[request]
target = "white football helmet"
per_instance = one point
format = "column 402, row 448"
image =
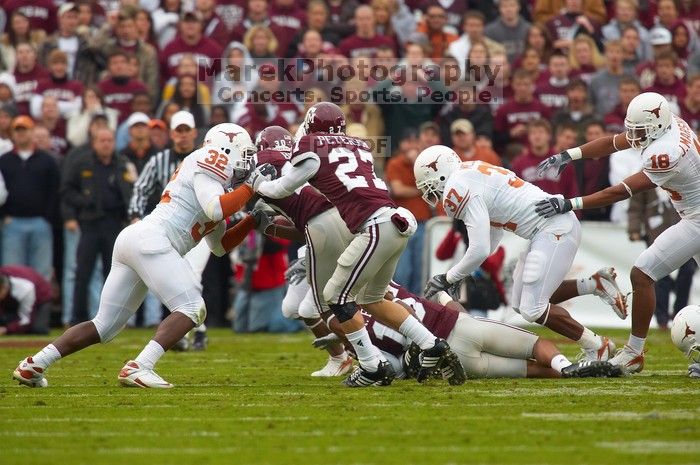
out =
column 648, row 118
column 233, row 140
column 432, row 168
column 685, row 332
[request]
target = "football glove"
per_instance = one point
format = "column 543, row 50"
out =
column 296, row 272
column 439, row 283
column 558, row 161
column 263, row 219
column 553, row 206
column 264, row 172
column 694, row 370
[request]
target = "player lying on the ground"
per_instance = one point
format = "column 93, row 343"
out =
column 341, row 168
column 488, row 199
column 670, row 154
column 684, row 332
column 149, row 255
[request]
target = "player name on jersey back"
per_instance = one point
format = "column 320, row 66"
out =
column 510, row 200
column 345, row 176
column 672, row 162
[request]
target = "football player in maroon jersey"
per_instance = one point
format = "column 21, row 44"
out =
column 341, row 168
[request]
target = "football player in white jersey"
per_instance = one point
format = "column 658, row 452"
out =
column 489, row 199
column 670, row 154
column 149, row 255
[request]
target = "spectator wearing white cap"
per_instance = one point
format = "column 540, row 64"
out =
column 160, row 167
column 661, row 40
column 7, row 88
column 140, row 149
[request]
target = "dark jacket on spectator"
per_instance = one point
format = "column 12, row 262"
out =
column 88, row 63
column 649, row 216
column 80, row 194
column 32, row 185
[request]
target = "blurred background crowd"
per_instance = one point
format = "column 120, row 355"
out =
column 101, row 99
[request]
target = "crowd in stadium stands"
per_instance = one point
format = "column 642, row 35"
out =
column 92, row 90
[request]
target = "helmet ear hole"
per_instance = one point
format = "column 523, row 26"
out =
column 227, row 151
column 442, row 178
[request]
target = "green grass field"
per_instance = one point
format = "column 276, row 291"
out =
column 249, row 400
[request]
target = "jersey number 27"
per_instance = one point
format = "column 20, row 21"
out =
column 347, row 173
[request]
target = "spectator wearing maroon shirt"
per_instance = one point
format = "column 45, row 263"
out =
column 584, row 58
column 50, row 118
column 190, row 39
column 41, row 13
column 681, row 42
column 662, row 42
column 213, row 25
column 17, row 31
column 572, row 21
column 260, row 42
column 551, row 89
column 365, row 41
column 628, row 89
column 118, row 88
column 593, row 175
column 27, row 75
column 126, row 39
column 539, row 134
column 67, row 92
column 510, row 122
column 231, row 12
column 25, row 298
column 666, row 82
column 289, row 20
column 690, row 105
column 578, row 111
column 256, row 15
column 316, row 20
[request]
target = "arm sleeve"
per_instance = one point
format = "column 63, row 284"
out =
column 296, row 177
column 476, row 217
column 143, row 188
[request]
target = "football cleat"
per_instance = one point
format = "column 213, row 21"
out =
column 591, row 369
column 431, row 360
column 410, row 361
column 132, row 375
column 452, row 370
column 360, row 377
column 200, row 341
column 607, row 289
column 334, row 367
column 629, row 360
column 606, row 351
column 694, row 370
column 30, row 374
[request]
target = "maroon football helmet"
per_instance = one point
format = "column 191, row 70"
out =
column 324, row 117
column 274, row 138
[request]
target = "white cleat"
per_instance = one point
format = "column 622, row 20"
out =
column 30, row 374
column 629, row 360
column 605, row 353
column 607, row 289
column 132, row 375
column 334, row 368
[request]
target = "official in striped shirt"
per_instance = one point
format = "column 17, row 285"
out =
column 157, row 171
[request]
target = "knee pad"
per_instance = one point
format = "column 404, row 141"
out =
column 290, row 309
column 344, row 312
column 307, row 308
column 195, row 311
column 533, row 267
column 532, row 314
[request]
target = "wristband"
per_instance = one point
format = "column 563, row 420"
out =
column 444, row 298
column 576, row 203
column 627, row 188
column 575, row 153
